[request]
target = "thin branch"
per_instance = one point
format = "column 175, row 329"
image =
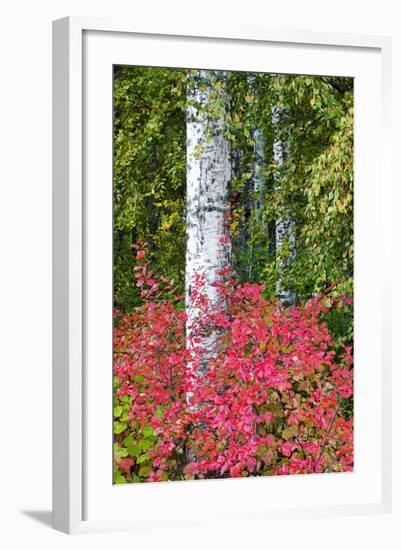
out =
column 327, row 435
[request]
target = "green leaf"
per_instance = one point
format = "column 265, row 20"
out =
column 128, row 440
column 119, row 479
column 142, row 458
column 119, row 427
column 118, row 410
column 145, row 443
column 134, row 450
column 144, row 471
column 147, row 431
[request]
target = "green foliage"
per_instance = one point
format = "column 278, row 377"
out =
column 316, row 183
column 313, row 187
column 149, row 173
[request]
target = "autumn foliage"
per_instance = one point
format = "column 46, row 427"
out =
column 274, row 398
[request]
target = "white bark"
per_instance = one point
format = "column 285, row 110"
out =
column 285, row 228
column 258, row 185
column 258, row 139
column 259, row 161
column 208, row 174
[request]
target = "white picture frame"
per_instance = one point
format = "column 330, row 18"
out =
column 71, row 247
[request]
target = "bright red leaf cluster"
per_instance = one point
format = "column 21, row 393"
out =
column 272, row 399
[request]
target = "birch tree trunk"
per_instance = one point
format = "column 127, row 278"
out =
column 258, row 186
column 259, row 162
column 208, row 174
column 257, row 177
column 285, row 228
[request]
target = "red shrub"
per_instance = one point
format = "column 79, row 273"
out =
column 271, row 401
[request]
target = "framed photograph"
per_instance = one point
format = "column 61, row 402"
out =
column 220, row 323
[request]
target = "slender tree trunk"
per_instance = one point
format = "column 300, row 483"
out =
column 285, row 227
column 258, row 186
column 259, row 163
column 208, row 173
